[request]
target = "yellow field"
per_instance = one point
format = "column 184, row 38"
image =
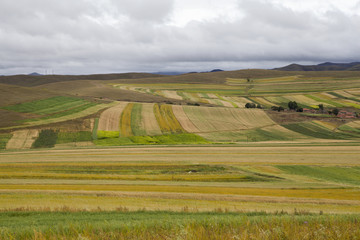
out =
column 125, row 121
column 175, row 178
column 166, row 119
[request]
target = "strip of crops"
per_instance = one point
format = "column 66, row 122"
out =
column 272, row 133
column 183, row 138
column 137, row 125
column 125, row 121
column 45, row 106
column 61, row 106
column 156, row 225
column 67, row 137
column 327, row 102
column 347, row 175
column 67, row 112
column 314, row 130
column 335, row 194
column 94, row 130
column 4, row 138
column 167, row 120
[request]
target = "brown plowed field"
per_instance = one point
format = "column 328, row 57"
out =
column 110, row 118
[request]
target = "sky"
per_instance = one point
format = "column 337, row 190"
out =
column 114, row 36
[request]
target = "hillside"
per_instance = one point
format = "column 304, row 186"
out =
column 36, row 80
column 194, row 108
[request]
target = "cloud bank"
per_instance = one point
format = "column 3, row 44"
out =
column 100, row 36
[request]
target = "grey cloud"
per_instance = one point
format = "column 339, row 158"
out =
column 154, row 10
column 87, row 36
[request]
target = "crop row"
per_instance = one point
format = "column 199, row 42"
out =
column 155, row 225
column 48, row 138
column 48, row 106
column 313, row 129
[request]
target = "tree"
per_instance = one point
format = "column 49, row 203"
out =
column 250, row 105
column 321, row 107
column 292, row 105
column 258, row 106
column 335, row 111
column 300, row 110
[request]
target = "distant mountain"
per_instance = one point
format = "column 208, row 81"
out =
column 35, row 74
column 327, row 66
column 169, row 73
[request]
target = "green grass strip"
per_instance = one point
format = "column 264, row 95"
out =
column 94, row 131
column 176, row 225
column 4, row 138
column 184, row 138
column 67, row 137
column 136, row 120
column 41, row 105
column 349, row 175
column 321, row 100
column 313, row 130
column 107, row 134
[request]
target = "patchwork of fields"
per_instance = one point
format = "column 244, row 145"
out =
column 267, row 92
column 126, row 123
column 192, row 164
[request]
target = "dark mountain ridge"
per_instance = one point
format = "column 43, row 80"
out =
column 327, row 66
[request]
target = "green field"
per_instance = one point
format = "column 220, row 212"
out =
column 169, row 225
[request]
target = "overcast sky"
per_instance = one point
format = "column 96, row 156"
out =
column 103, row 36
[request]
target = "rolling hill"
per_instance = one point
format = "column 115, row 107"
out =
column 182, row 109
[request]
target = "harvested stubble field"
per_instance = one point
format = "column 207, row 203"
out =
column 170, row 178
column 182, row 192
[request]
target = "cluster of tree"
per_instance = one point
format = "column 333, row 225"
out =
column 292, row 105
column 252, row 105
column 335, row 111
column 277, row 108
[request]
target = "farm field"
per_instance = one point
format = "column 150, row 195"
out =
column 180, row 157
column 157, row 225
column 198, row 178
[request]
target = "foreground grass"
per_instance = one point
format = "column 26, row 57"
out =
column 171, row 225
